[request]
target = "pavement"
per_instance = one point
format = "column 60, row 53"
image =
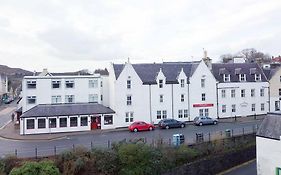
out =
column 11, row 130
column 247, row 168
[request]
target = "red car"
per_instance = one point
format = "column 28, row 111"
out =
column 141, row 126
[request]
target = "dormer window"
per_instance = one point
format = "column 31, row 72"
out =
column 258, row 77
column 242, row 77
column 182, row 83
column 160, row 83
column 129, row 84
column 226, row 77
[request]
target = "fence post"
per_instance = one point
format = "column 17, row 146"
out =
column 36, row 153
column 16, row 152
column 73, row 147
column 91, row 145
column 221, row 133
column 209, row 136
column 232, row 133
column 55, row 150
column 170, row 141
column 145, row 140
column 108, row 144
column 243, row 131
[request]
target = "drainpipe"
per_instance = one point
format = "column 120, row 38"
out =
column 172, row 101
column 217, row 100
column 150, row 112
column 188, row 101
column 269, row 98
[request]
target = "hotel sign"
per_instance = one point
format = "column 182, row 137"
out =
column 203, row 105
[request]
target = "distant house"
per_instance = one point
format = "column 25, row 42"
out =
column 242, row 89
column 3, row 87
column 268, row 141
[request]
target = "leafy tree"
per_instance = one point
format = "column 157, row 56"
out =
column 36, row 168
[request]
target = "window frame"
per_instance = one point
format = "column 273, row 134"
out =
column 73, row 123
column 30, row 125
column 39, row 125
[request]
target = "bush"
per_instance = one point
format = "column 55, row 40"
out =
column 8, row 163
column 36, row 168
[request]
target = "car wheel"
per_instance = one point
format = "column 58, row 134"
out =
column 167, row 127
column 135, row 130
column 182, row 125
column 200, row 124
column 215, row 122
column 150, row 128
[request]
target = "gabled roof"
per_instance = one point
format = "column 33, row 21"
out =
column 269, row 73
column 234, row 69
column 49, row 110
column 148, row 72
column 271, row 126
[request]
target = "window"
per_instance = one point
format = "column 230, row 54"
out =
column 93, row 98
column 101, row 84
column 31, row 99
column 203, row 96
column 242, row 77
column 41, row 123
column 129, row 100
column 129, row 117
column 160, row 83
column 180, row 114
column 69, row 83
column 233, row 108
column 226, row 77
column 185, row 113
column 93, row 83
column 252, row 92
column 253, row 107
column 201, row 112
column 280, row 78
column 158, row 114
column 279, row 92
column 56, row 84
column 243, row 93
column 277, row 105
column 63, row 122
column 30, row 124
column 161, row 98
column 258, row 77
column 84, row 121
column 108, row 119
column 128, row 84
column 206, row 112
column 182, row 97
column 31, row 84
column 182, row 83
column 202, row 83
column 262, row 92
column 56, row 99
column 222, row 93
column 69, row 99
column 52, row 122
column 232, row 93
column 164, row 114
column 262, row 106
column 101, row 97
column 73, row 121
column 223, row 108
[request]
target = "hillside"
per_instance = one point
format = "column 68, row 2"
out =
column 16, row 72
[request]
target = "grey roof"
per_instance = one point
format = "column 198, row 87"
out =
column 101, row 71
column 66, row 73
column 270, row 72
column 47, row 110
column 271, row 126
column 218, row 69
column 148, row 72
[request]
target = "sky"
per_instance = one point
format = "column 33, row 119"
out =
column 70, row 35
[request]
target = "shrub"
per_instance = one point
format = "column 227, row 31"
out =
column 36, row 168
column 8, row 163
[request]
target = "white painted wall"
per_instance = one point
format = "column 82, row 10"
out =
column 196, row 91
column 44, row 90
column 275, row 85
column 243, row 104
column 268, row 155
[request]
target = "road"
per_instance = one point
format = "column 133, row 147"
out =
column 102, row 139
column 6, row 111
column 247, row 169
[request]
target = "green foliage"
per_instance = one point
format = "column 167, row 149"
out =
column 2, row 167
column 36, row 168
column 8, row 163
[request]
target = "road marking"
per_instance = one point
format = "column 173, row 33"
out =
column 5, row 124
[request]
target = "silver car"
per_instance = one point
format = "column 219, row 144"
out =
column 203, row 120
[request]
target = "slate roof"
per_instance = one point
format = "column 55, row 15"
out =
column 48, row 110
column 66, row 73
column 234, row 68
column 271, row 126
column 270, row 72
column 148, row 72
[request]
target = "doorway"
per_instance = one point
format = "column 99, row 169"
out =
column 95, row 122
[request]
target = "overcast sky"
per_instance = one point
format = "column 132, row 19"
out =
column 68, row 35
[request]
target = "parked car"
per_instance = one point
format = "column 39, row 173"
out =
column 141, row 126
column 202, row 120
column 170, row 123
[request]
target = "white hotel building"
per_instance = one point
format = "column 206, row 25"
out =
column 242, row 89
column 64, row 102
